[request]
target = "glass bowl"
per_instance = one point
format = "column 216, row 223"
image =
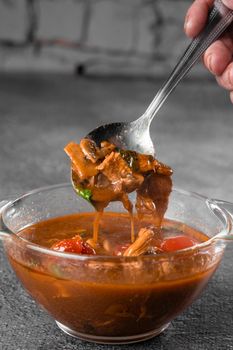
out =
column 113, row 299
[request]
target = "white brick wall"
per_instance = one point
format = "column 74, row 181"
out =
column 127, row 36
column 60, row 18
column 12, row 20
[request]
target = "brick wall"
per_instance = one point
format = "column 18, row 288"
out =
column 99, row 36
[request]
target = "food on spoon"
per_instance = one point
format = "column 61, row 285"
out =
column 104, row 174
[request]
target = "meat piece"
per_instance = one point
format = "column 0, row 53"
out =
column 90, row 150
column 142, row 243
column 82, row 166
column 114, row 167
column 164, row 169
column 131, row 158
column 140, row 163
column 119, row 173
column 159, row 188
column 146, row 163
column 155, row 189
column 106, row 148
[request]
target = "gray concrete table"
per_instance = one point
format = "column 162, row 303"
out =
column 194, row 134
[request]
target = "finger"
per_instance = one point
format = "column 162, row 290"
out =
column 228, row 3
column 227, row 38
column 226, row 79
column 217, row 57
column 197, row 16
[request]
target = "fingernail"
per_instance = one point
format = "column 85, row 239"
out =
column 231, row 96
column 210, row 63
column 231, row 77
column 187, row 23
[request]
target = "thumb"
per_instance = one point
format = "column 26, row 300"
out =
column 228, row 3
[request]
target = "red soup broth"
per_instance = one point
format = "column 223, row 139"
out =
column 111, row 296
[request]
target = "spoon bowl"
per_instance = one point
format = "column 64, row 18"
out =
column 132, row 135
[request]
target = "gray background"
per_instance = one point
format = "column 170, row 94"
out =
column 42, row 111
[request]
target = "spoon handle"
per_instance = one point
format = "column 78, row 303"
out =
column 220, row 18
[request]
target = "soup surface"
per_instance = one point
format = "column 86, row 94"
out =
column 121, row 297
column 115, row 234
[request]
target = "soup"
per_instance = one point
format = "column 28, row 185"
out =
column 119, row 297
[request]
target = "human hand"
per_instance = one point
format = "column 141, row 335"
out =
column 218, row 58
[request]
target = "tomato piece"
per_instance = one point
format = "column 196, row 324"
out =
column 176, row 243
column 69, row 246
column 73, row 245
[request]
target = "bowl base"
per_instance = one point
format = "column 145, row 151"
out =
column 112, row 340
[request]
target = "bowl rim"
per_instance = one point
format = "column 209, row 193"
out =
column 36, row 247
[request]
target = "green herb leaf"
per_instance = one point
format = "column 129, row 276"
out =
column 84, row 193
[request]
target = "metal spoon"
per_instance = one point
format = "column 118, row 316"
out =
column 136, row 135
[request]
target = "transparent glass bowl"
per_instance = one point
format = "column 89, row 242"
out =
column 113, row 299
